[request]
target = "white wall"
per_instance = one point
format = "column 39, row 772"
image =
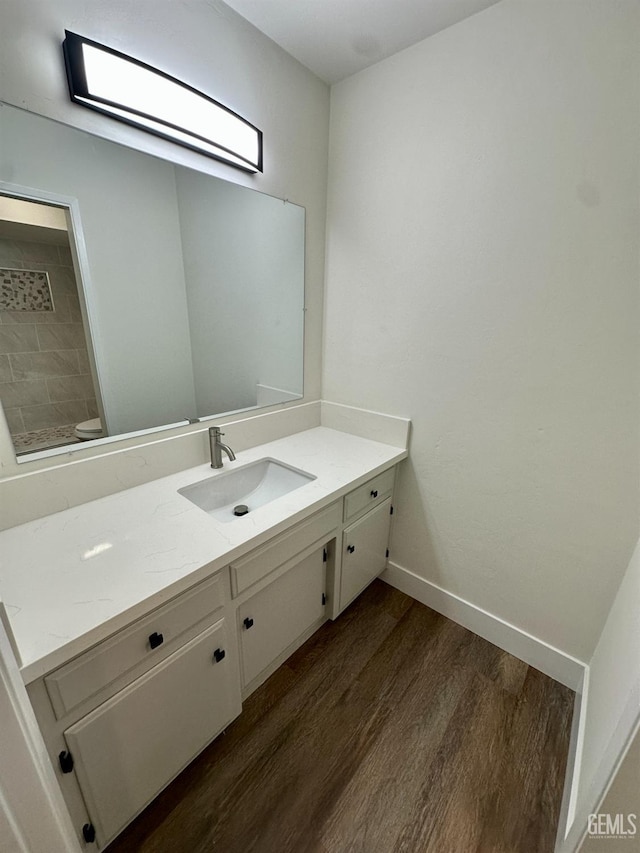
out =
column 482, row 279
column 613, row 701
column 215, row 50
column 245, row 293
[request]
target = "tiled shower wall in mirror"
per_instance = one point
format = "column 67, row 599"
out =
column 46, row 386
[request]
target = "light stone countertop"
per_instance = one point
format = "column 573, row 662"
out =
column 72, row 579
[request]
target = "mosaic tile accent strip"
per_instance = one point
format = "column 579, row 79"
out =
column 42, row 439
column 25, row 290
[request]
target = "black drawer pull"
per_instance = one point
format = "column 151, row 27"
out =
column 374, row 493
column 155, row 640
column 219, row 655
column 89, row 833
column 351, row 548
column 248, row 623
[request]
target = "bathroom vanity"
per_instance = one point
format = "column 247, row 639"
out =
column 142, row 621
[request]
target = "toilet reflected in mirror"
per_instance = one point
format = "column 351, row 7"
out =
column 89, row 430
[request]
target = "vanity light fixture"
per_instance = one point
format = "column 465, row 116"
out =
column 128, row 90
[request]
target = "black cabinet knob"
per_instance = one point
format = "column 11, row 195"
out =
column 66, row 761
column 351, row 548
column 89, row 833
column 374, row 493
column 219, row 655
column 155, row 640
column 248, row 623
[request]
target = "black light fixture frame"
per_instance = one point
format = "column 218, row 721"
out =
column 78, row 89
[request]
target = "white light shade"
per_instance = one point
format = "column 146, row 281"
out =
column 112, row 83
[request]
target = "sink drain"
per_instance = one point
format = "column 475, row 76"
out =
column 241, row 509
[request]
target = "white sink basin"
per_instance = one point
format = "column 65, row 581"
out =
column 253, row 485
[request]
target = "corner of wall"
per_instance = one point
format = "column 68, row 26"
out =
column 610, row 711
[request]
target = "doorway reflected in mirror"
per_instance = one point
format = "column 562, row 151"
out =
column 46, row 387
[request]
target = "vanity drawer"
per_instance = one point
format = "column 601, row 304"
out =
column 140, row 646
column 261, row 562
column 367, row 496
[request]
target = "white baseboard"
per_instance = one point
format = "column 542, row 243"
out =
column 537, row 653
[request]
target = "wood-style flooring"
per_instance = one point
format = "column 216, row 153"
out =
column 392, row 730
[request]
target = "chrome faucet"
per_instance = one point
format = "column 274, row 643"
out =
column 217, row 446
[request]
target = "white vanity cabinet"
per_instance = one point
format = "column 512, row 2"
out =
column 122, row 720
column 281, row 593
column 273, row 619
column 286, row 589
column 364, row 551
column 365, row 538
column 106, row 668
column 127, row 749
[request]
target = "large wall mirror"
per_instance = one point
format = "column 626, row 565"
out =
column 136, row 294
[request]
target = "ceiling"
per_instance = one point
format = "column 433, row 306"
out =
column 33, row 233
column 337, row 38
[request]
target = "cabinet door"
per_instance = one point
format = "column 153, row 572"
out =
column 276, row 616
column 364, row 551
column 130, row 747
